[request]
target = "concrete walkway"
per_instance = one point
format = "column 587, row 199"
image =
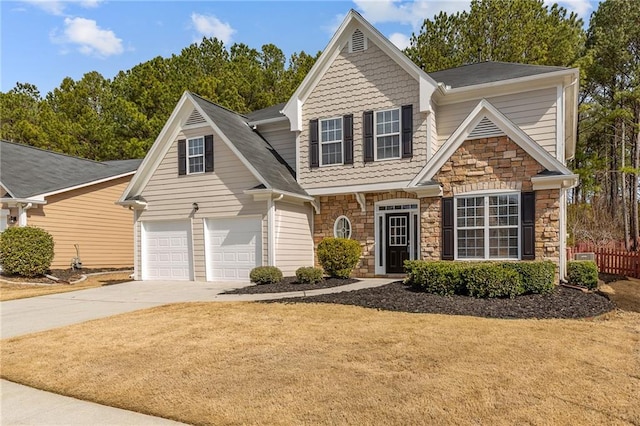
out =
column 22, row 405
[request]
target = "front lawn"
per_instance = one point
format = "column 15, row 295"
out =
column 255, row 363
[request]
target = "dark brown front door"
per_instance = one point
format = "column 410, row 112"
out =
column 397, row 242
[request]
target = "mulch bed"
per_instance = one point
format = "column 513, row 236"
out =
column 64, row 276
column 562, row 303
column 289, row 284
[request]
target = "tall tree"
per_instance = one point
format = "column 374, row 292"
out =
column 524, row 31
column 612, row 65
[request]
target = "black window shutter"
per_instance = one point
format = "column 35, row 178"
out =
column 208, row 153
column 367, row 120
column 448, row 233
column 182, row 157
column 314, row 155
column 407, row 131
column 347, row 123
column 528, row 225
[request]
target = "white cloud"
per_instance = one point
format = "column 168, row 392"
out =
column 582, row 8
column 400, row 40
column 333, row 26
column 57, row 7
column 407, row 12
column 210, row 26
column 89, row 38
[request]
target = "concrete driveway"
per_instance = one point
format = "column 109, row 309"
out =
column 56, row 310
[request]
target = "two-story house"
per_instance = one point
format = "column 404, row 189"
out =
column 462, row 164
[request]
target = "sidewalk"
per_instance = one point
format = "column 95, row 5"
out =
column 22, row 405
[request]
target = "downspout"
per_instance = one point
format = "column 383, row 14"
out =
column 563, row 234
column 271, row 229
column 22, row 213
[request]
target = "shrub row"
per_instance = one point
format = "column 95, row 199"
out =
column 583, row 273
column 481, row 279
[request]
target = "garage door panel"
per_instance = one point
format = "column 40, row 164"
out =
column 168, row 250
column 234, row 247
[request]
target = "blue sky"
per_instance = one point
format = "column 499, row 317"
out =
column 44, row 41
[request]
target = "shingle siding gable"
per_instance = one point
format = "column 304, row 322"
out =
column 354, row 83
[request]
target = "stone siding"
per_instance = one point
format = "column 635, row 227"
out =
column 481, row 164
column 362, row 224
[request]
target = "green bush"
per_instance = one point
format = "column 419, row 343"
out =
column 437, row 277
column 492, row 280
column 265, row 275
column 481, row 279
column 26, row 251
column 537, row 277
column 338, row 256
column 583, row 273
column 309, row 275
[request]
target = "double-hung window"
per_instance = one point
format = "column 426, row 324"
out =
column 487, row 226
column 331, row 141
column 387, row 134
column 195, row 155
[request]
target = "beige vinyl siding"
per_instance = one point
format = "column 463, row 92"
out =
column 294, row 240
column 218, row 194
column 534, row 112
column 354, row 83
column 90, row 218
column 282, row 139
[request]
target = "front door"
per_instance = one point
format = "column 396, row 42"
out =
column 397, row 242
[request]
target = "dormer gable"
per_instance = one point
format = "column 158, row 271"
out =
column 355, row 35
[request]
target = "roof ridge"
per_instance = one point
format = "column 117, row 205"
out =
column 218, row 105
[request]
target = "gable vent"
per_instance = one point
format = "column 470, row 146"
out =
column 358, row 42
column 485, row 129
column 194, row 118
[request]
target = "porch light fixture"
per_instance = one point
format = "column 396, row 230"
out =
column 13, row 219
column 195, row 207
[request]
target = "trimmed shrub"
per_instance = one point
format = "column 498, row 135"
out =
column 481, row 279
column 537, row 277
column 583, row 273
column 26, row 251
column 309, row 275
column 265, row 275
column 437, row 277
column 492, row 280
column 338, row 256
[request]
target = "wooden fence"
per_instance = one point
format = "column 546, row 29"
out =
column 610, row 260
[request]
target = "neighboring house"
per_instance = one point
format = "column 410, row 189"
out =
column 465, row 163
column 71, row 198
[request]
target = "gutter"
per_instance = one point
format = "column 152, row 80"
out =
column 266, row 193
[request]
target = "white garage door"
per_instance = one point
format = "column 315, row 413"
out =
column 234, row 247
column 167, row 251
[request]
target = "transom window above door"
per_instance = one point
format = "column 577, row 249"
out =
column 331, row 141
column 195, row 155
column 387, row 134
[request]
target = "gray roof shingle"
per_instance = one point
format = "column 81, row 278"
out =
column 488, row 72
column 266, row 113
column 252, row 146
column 26, row 171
